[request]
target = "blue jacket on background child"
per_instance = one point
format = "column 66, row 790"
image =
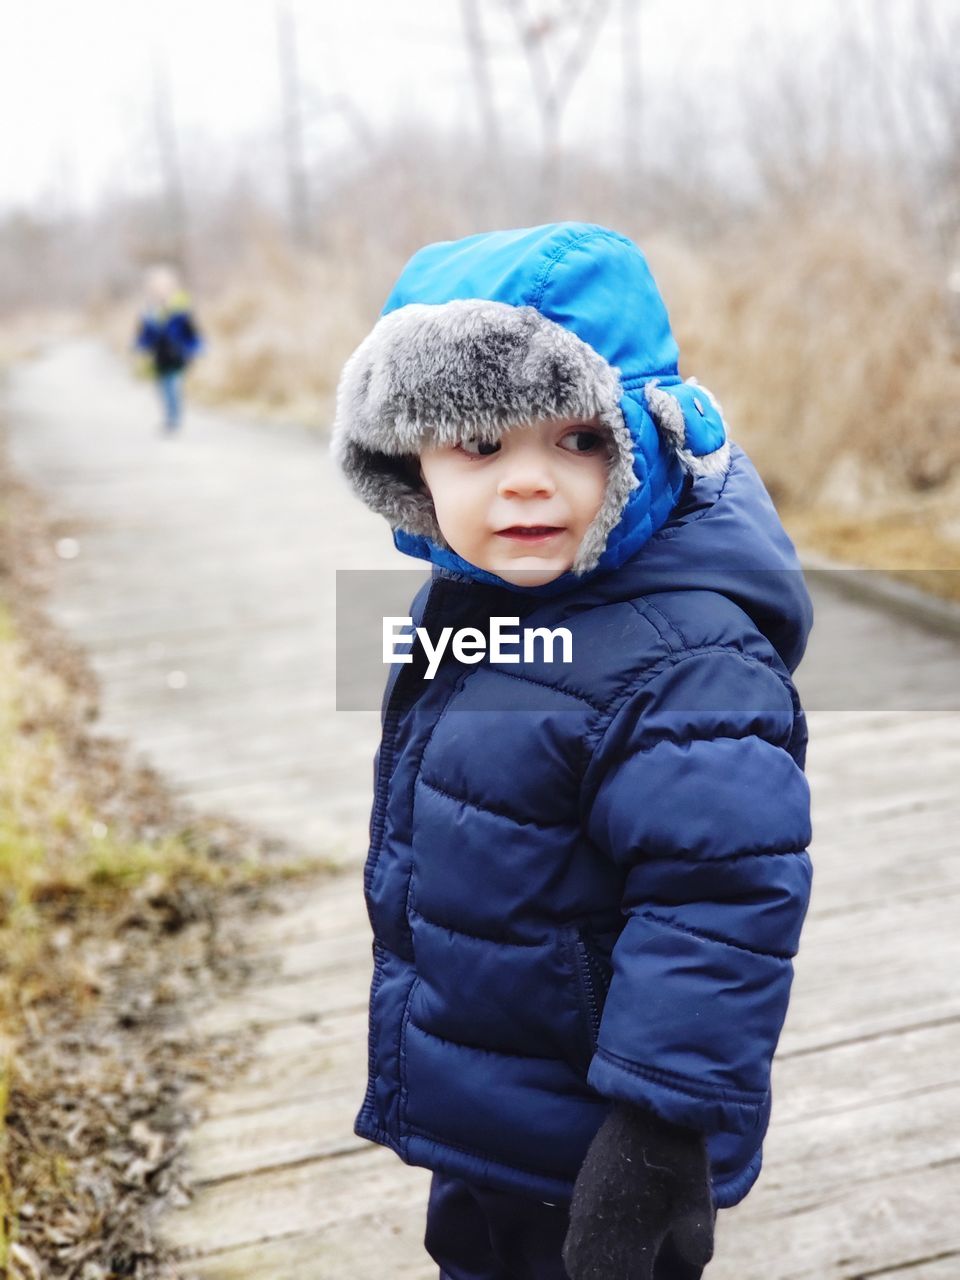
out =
column 587, row 879
column 169, row 336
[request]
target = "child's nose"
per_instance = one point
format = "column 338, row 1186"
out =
column 526, row 476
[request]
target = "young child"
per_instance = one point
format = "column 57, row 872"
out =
column 587, row 877
column 169, row 340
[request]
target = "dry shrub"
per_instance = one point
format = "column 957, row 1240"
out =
column 281, row 330
column 830, row 342
column 825, row 330
column 820, row 316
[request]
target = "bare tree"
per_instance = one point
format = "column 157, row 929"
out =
column 632, row 87
column 342, row 105
column 884, row 103
column 574, row 24
column 934, row 120
column 168, row 157
column 480, row 72
column 298, row 193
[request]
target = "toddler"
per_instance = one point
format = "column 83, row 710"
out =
column 588, row 866
column 168, row 340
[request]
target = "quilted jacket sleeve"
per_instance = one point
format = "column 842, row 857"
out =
column 696, row 789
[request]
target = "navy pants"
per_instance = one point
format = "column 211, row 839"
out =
column 477, row 1233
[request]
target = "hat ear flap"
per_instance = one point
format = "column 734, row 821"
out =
column 691, row 423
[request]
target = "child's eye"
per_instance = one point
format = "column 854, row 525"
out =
column 581, row 441
column 478, row 448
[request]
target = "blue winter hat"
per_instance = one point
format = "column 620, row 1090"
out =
column 507, row 327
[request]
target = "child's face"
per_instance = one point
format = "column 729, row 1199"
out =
column 548, row 473
column 161, row 284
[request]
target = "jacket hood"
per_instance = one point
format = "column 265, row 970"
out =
column 506, row 327
column 725, row 536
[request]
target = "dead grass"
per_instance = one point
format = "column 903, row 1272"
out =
column 116, row 907
column 826, row 328
column 833, row 343
column 828, row 333
column 279, row 332
column 906, row 545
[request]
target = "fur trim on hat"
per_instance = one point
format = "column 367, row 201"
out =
column 471, row 368
column 667, row 413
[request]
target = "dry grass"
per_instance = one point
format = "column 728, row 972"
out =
column 829, row 336
column 279, row 331
column 825, row 327
column 908, row 545
column 834, row 345
column 116, row 906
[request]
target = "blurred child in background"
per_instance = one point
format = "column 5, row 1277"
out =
column 169, row 340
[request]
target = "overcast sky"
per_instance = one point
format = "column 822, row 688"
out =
column 76, row 76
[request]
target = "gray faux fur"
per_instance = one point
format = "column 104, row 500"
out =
column 436, row 374
column 666, row 412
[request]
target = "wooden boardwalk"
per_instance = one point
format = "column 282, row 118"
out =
column 203, row 592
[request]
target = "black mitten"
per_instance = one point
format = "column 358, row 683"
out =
column 641, row 1180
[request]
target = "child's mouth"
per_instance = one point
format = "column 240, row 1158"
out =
column 530, row 533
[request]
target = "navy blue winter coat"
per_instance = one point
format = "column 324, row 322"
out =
column 170, row 337
column 586, row 880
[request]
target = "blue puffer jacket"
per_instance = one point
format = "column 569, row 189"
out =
column 170, row 336
column 586, row 880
